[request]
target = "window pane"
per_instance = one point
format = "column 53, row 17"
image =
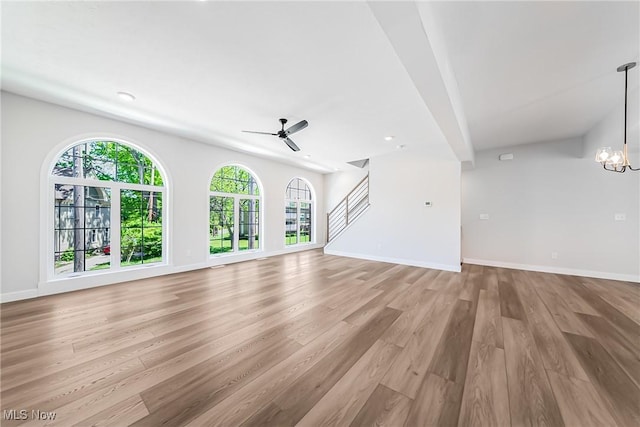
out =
column 81, row 228
column 152, row 175
column 305, row 222
column 291, row 223
column 221, row 221
column 129, row 172
column 105, row 151
column 234, row 180
column 140, row 227
column 298, row 190
column 127, row 155
column 64, row 165
column 99, row 169
column 248, row 224
column 108, row 161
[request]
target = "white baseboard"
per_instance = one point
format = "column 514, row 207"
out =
column 248, row 256
column 297, row 248
column 94, row 281
column 555, row 270
column 19, row 295
column 414, row 263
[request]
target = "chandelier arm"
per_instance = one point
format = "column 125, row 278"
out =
column 614, row 170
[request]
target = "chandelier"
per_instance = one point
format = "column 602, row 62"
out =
column 618, row 161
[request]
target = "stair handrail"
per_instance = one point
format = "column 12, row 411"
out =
column 343, row 205
column 344, row 199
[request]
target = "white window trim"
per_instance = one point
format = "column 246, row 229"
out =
column 236, row 223
column 260, row 197
column 313, row 223
column 47, row 266
column 312, row 204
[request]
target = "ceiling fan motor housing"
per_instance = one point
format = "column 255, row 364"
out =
column 281, row 133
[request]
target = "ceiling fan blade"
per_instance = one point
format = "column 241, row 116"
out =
column 291, row 144
column 261, row 133
column 297, row 127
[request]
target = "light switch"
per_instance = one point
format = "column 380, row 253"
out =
column 484, row 216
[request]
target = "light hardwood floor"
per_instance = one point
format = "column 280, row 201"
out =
column 312, row 339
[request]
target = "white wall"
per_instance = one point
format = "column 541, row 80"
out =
column 33, row 132
column 398, row 227
column 552, row 198
column 337, row 185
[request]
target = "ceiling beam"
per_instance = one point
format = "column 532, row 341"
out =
column 415, row 37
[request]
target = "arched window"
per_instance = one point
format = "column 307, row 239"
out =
column 234, row 211
column 108, row 203
column 298, row 213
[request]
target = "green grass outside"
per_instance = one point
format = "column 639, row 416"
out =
column 291, row 239
column 138, row 262
column 106, row 265
column 217, row 246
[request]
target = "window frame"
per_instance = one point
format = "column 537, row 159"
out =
column 298, row 202
column 236, row 213
column 115, row 188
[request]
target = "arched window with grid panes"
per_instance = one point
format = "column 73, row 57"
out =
column 234, row 211
column 108, row 200
column 298, row 213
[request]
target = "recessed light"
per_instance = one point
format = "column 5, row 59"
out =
column 388, row 138
column 336, row 169
column 307, row 156
column 126, row 96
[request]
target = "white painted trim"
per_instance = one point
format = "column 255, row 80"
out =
column 19, row 295
column 555, row 270
column 312, row 203
column 47, row 202
column 236, row 209
column 89, row 282
column 301, row 247
column 248, row 256
column 414, row 263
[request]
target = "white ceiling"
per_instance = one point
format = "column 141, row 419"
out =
column 206, row 70
column 538, row 71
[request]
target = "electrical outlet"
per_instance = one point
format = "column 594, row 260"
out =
column 620, row 217
column 484, row 216
column 554, row 255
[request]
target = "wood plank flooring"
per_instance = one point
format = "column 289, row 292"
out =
column 311, row 339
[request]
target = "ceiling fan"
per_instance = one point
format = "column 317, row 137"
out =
column 284, row 134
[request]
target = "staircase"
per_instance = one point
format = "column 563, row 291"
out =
column 348, row 210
